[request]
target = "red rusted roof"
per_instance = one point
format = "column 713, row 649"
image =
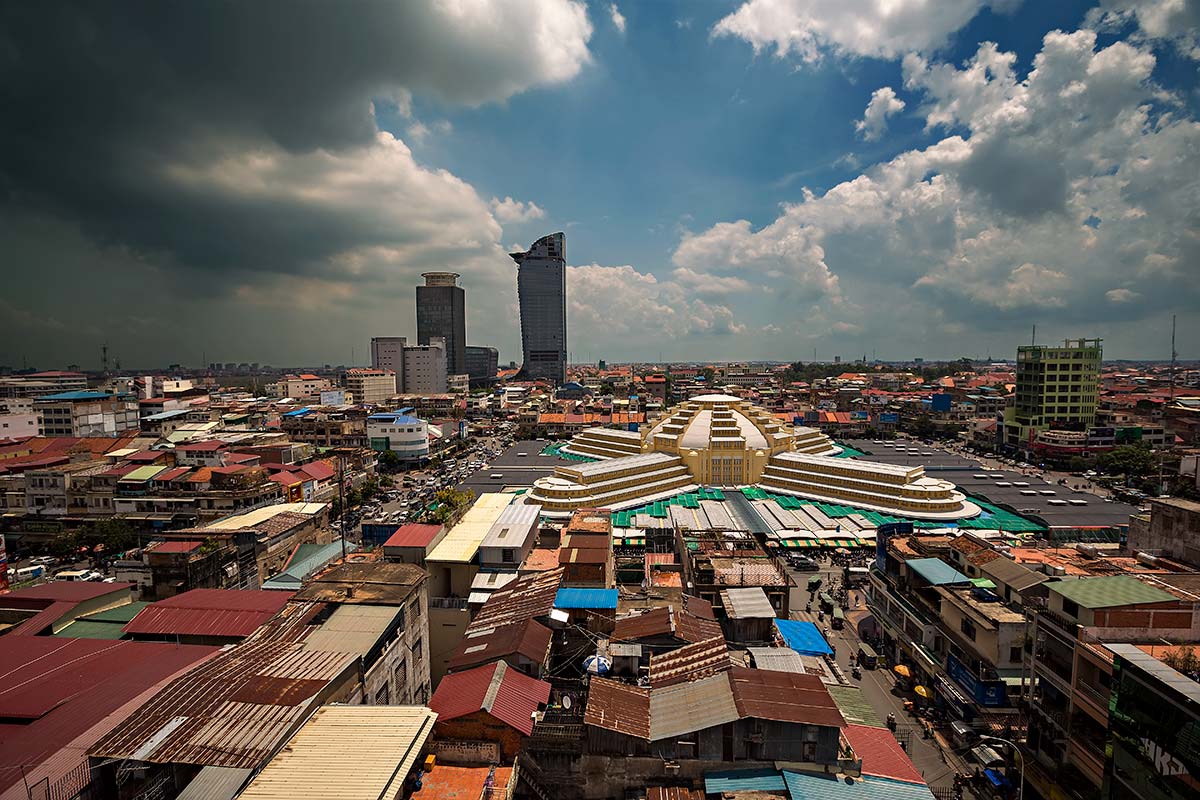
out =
column 174, row 546
column 413, row 534
column 209, row 612
column 496, row 689
column 784, row 697
column 484, row 643
column 61, row 688
column 690, row 663
column 528, row 597
column 618, row 707
column 881, row 754
column 318, row 470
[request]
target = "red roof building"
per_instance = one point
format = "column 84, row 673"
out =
column 61, row 695
column 413, row 534
column 54, row 605
column 525, row 646
column 492, row 702
column 882, row 756
column 207, row 616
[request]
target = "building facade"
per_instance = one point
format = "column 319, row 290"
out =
column 441, row 313
column 542, row 294
column 482, row 365
column 425, row 367
column 407, row 437
column 1056, row 388
column 86, row 413
column 371, row 386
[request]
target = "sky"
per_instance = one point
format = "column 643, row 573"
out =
column 750, row 179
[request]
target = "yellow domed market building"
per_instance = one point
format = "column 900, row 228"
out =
column 721, row 440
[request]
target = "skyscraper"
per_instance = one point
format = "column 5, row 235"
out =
column 441, row 311
column 542, row 293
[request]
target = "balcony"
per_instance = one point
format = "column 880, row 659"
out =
column 454, row 603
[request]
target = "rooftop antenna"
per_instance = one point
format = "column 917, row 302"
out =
column 1033, row 338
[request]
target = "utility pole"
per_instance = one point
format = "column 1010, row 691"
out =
column 1174, row 355
column 342, row 499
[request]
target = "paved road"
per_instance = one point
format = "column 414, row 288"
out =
column 936, row 761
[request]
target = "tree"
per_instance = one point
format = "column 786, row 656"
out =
column 1133, row 460
column 115, row 534
column 389, row 461
column 449, row 502
column 1077, row 464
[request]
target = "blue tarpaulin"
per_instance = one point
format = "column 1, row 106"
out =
column 569, row 598
column 803, row 637
column 743, row 780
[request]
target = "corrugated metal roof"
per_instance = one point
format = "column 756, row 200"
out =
column 692, row 706
column 1110, row 591
column 513, row 525
column 689, row 663
column 414, row 534
column 327, row 758
column 307, row 559
column 855, row 707
column 501, row 691
column 573, row 597
column 528, row 597
column 778, row 659
column 143, row 473
column 215, row 783
column 461, row 542
column 784, row 696
column 618, row 707
column 882, row 756
column 209, row 612
column 748, row 603
column 743, row 780
column 352, row 629
column 809, row 786
column 936, row 571
column 254, row 518
column 237, row 707
column 483, row 643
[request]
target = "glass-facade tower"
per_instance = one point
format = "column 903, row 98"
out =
column 442, row 312
column 542, row 294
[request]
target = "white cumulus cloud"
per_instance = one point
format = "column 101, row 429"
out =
column 883, row 104
column 618, row 19
column 510, row 211
column 807, row 29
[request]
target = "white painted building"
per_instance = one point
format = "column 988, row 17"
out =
column 407, row 437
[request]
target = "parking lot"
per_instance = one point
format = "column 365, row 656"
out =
column 520, row 465
column 1027, row 491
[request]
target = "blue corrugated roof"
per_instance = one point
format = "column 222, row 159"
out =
column 803, row 637
column 84, row 394
column 743, row 780
column 585, row 598
column 307, row 559
column 803, row 786
column 299, row 412
column 936, row 571
column 395, row 418
column 175, row 412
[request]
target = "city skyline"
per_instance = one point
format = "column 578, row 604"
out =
column 932, row 186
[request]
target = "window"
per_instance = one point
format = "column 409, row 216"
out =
column 968, row 628
column 381, row 697
column 1070, row 607
column 1014, row 654
column 506, row 555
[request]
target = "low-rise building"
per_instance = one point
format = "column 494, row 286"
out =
column 86, row 413
column 402, row 434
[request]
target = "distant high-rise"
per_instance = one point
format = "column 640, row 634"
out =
column 542, row 294
column 482, row 365
column 442, row 312
column 418, row 369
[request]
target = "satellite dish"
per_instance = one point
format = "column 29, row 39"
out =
column 566, row 702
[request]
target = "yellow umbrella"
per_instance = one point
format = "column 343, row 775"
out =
column 902, row 670
column 923, row 692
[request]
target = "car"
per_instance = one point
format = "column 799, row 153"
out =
column 43, row 561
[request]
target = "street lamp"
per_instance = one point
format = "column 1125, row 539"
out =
column 1017, row 754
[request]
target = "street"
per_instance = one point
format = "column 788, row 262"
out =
column 933, row 757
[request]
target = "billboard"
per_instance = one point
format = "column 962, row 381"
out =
column 983, row 692
column 336, row 397
column 941, row 402
column 889, row 418
column 1126, row 435
column 858, row 416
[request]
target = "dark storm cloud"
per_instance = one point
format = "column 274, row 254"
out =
column 104, row 103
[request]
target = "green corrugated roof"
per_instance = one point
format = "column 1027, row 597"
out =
column 82, row 629
column 1109, row 591
column 854, row 706
column 121, row 614
column 143, row 473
